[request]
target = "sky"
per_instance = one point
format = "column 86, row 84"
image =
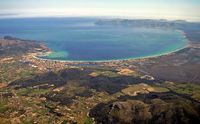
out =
column 154, row 9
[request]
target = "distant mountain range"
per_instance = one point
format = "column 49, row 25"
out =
column 143, row 23
column 190, row 29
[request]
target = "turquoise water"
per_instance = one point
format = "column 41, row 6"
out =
column 79, row 39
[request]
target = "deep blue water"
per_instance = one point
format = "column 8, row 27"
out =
column 80, row 39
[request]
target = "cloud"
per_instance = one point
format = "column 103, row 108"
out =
column 112, row 12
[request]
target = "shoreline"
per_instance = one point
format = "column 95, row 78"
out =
column 188, row 44
column 117, row 60
column 39, row 55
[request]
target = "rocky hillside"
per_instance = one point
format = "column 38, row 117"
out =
column 164, row 108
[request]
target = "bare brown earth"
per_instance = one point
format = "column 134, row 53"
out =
column 182, row 66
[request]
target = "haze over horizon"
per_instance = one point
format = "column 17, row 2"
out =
column 152, row 9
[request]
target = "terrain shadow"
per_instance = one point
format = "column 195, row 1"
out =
column 69, row 83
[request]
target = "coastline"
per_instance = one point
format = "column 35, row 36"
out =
column 188, row 44
column 38, row 55
column 117, row 60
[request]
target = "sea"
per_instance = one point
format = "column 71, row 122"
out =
column 81, row 39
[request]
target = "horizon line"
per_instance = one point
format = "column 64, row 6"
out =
column 20, row 16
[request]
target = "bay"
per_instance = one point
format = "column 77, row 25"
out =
column 79, row 39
